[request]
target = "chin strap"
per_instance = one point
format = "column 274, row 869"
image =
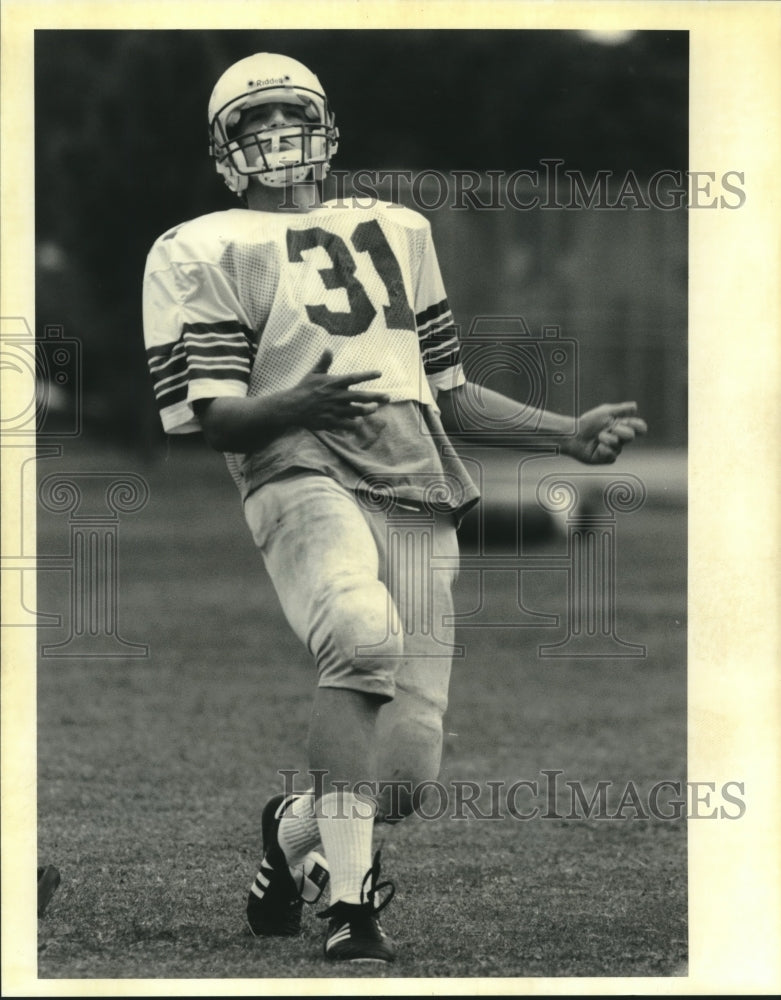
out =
column 285, row 176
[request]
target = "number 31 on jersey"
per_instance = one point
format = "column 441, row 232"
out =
column 367, row 237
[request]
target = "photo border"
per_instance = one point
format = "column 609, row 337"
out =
column 734, row 438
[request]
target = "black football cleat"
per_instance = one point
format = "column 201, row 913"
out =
column 354, row 933
column 48, row 880
column 278, row 893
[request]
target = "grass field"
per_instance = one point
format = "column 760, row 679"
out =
column 152, row 771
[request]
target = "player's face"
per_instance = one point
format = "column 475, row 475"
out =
column 272, row 138
column 263, row 117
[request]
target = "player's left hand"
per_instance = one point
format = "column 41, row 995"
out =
column 603, row 432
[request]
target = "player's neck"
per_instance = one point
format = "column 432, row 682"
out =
column 295, row 198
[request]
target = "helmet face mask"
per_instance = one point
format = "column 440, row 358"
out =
column 299, row 150
column 280, row 155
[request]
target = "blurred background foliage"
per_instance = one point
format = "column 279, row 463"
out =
column 121, row 155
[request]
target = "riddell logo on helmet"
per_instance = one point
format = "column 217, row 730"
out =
column 269, row 82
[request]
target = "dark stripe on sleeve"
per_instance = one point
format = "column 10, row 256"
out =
column 432, row 312
column 216, row 351
column 162, row 352
column 226, row 326
column 437, row 336
column 440, row 349
column 449, row 360
column 170, row 395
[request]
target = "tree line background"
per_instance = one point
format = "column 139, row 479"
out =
column 121, row 154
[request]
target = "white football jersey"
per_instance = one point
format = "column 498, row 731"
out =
column 242, row 302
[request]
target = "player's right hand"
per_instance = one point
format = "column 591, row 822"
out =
column 603, row 432
column 327, row 402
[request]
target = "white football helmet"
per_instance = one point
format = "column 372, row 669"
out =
column 308, row 146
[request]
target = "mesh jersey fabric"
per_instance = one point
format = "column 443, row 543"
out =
column 242, row 302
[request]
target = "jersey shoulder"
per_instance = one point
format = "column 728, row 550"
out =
column 403, row 216
column 388, row 211
column 201, row 239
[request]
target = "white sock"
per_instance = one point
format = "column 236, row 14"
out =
column 346, row 823
column 298, row 830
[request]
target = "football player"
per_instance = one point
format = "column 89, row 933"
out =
column 312, row 343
